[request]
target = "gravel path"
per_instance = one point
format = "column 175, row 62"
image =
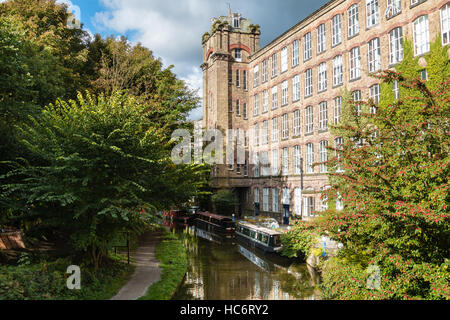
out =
column 147, row 268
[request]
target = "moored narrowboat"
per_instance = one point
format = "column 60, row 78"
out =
column 216, row 223
column 263, row 238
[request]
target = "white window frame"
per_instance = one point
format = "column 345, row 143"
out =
column 275, row 200
column 285, row 126
column 421, row 35
column 265, row 132
column 238, row 108
column 284, row 59
column 265, row 101
column 309, row 158
column 355, row 63
column 338, row 145
column 298, row 201
column 353, row 20
column 323, row 116
column 256, row 105
column 309, row 120
column 256, row 195
column 393, row 8
column 296, row 124
column 322, row 77
column 285, row 162
column 284, row 93
column 266, row 199
column 275, row 129
column 274, row 163
column 337, row 110
column 372, row 13
column 336, row 27
column 338, row 71
column 264, row 75
column 256, row 76
column 297, row 161
column 374, row 55
column 295, row 53
column 308, row 83
column 256, row 165
column 374, row 94
column 274, row 98
column 396, row 45
column 256, row 134
column 323, row 152
column 296, row 88
column 307, row 46
column 274, row 66
column 445, row 24
column 321, row 38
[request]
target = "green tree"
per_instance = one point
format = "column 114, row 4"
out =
column 105, row 168
column 224, row 202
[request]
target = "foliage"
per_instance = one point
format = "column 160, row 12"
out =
column 224, row 202
column 395, row 189
column 299, row 241
column 47, row 281
column 173, row 261
column 105, row 169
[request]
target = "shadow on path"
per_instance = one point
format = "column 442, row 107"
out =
column 147, row 268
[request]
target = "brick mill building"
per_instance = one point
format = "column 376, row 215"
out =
column 290, row 91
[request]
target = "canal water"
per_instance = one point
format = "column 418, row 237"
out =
column 222, row 268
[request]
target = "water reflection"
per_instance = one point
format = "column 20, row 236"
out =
column 224, row 269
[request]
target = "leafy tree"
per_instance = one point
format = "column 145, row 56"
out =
column 106, row 168
column 224, row 202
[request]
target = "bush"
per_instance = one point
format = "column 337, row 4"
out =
column 299, row 241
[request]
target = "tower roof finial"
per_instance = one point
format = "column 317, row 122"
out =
column 229, row 9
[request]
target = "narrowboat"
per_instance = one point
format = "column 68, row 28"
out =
column 213, row 222
column 177, row 215
column 263, row 238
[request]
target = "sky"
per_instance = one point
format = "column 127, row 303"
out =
column 172, row 29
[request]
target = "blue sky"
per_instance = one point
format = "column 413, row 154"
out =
column 172, row 29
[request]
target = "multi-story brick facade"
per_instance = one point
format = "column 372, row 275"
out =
column 291, row 90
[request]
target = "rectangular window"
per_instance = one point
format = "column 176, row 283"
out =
column 256, row 105
column 394, row 7
column 296, row 128
column 323, row 116
column 374, row 55
column 256, row 195
column 298, row 201
column 238, row 55
column 255, row 76
column 309, row 158
column 295, row 53
column 338, row 145
column 256, row 166
column 274, row 65
column 285, row 163
column 323, row 156
column 266, row 199
column 336, row 30
column 338, row 72
column 244, row 80
column 309, row 120
column 337, row 109
column 297, row 161
column 372, row 12
column 353, row 20
column 357, row 98
column 275, row 162
column 265, row 133
column 285, row 126
column 355, row 63
column 244, row 111
column 264, row 71
column 256, row 134
column 275, row 130
column 445, row 24
column 396, row 90
column 265, row 101
column 374, row 94
column 274, row 98
column 308, row 83
column 238, row 78
column 307, row 48
column 265, row 168
column 395, row 45
column 284, row 93
column 321, row 44
column 284, row 59
column 246, row 168
column 322, row 77
column 238, row 108
column 275, row 200
column 421, row 35
column 309, row 204
column 296, row 88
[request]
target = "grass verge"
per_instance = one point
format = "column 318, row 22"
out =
column 173, row 263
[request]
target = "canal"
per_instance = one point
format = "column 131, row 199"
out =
column 222, row 268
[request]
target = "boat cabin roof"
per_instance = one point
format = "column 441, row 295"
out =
column 214, row 216
column 260, row 229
